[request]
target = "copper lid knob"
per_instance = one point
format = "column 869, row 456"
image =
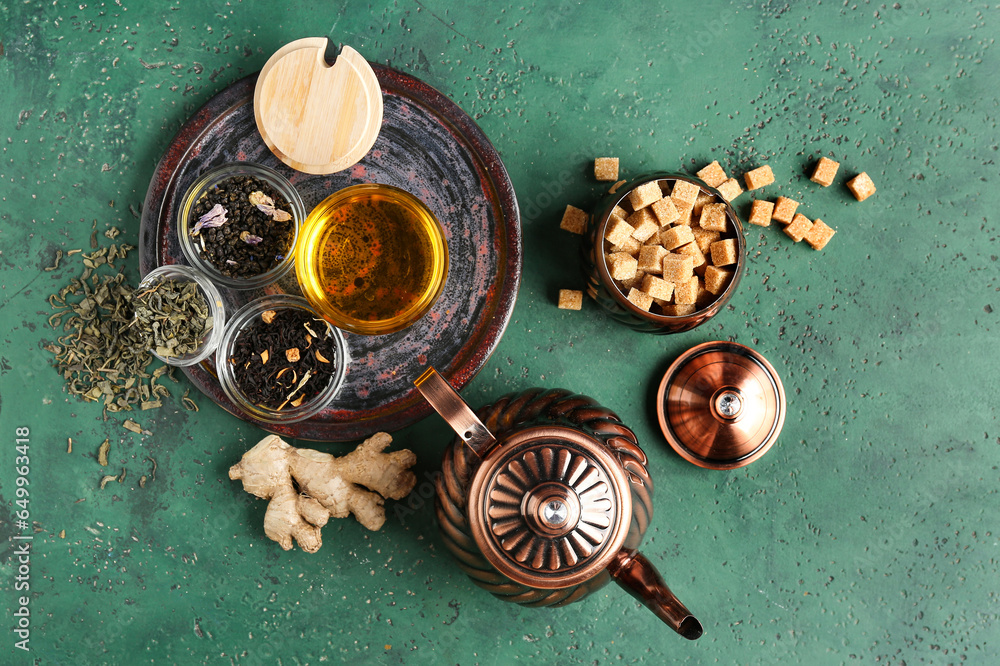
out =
column 721, row 405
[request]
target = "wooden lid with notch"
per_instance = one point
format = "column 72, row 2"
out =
column 316, row 117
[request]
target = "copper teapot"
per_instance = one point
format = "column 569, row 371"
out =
column 544, row 497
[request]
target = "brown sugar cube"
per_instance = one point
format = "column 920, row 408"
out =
column 699, row 203
column 617, row 231
column 759, row 177
column 672, row 237
column 716, row 279
column 620, row 212
column 819, row 235
column 713, row 217
column 574, row 220
column 606, row 168
column 825, row 171
column 730, row 189
column 761, row 212
column 861, row 186
column 799, row 227
column 677, row 268
column 640, row 299
column 665, row 211
column 658, row 288
column 684, row 211
column 622, row 266
column 644, row 224
column 633, row 281
column 686, row 292
column 644, row 195
column 724, row 252
column 570, row 299
column 713, row 174
column 704, row 238
column 629, row 246
column 784, row 209
column 651, row 259
column 678, row 309
column 685, row 191
column 692, row 250
column 704, row 296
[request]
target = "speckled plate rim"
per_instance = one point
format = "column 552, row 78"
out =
column 471, row 357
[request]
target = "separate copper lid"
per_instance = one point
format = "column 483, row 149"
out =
column 721, row 405
column 550, row 507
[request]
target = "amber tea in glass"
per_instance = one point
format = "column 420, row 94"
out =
column 372, row 259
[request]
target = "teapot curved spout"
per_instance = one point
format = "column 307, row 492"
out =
column 639, row 577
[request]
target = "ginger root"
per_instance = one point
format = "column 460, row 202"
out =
column 306, row 487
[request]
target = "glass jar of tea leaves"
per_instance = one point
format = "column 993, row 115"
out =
column 239, row 223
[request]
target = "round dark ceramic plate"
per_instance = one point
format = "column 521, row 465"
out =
column 427, row 146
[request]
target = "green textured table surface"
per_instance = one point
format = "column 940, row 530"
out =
column 867, row 534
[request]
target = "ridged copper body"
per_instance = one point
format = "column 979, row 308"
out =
column 544, row 497
column 602, row 288
column 721, row 405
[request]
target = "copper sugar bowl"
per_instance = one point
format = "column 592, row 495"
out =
column 601, row 287
column 544, row 498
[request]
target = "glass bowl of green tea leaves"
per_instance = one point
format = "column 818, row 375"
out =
column 279, row 361
column 238, row 224
column 179, row 312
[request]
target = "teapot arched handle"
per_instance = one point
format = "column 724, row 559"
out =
column 449, row 404
column 639, row 577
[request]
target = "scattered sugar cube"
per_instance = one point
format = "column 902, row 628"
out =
column 678, row 309
column 730, row 189
column 672, row 237
column 606, row 168
column 713, row 174
column 622, row 266
column 617, row 231
column 685, row 191
column 692, row 250
column 677, row 267
column 759, row 177
column 716, row 279
column 713, row 217
column 784, row 209
column 640, row 299
column 644, row 195
column 686, row 292
column 825, row 171
column 819, row 235
column 761, row 211
column 629, row 246
column 724, row 252
column 799, row 227
column 570, row 299
column 651, row 259
column 861, row 186
column 574, row 220
column 665, row 211
column 644, row 224
column 658, row 288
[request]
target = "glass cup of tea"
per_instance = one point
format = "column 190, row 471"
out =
column 371, row 259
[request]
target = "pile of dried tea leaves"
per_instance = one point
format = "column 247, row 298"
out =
column 99, row 354
column 173, row 317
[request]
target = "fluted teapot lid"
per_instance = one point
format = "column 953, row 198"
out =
column 550, row 507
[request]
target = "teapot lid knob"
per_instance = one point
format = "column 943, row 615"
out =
column 550, row 507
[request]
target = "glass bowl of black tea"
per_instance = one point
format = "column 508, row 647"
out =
column 239, row 223
column 279, row 361
column 180, row 313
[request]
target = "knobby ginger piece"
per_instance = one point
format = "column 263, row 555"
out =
column 306, row 488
